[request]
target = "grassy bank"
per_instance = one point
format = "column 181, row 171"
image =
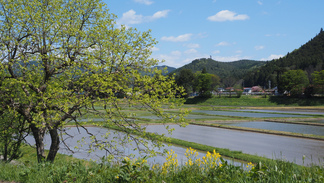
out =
column 210, row 168
column 258, row 101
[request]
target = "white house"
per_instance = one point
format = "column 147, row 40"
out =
column 247, row 91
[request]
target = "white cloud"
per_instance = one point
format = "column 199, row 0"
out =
column 216, row 52
column 226, row 15
column 223, row 43
column 272, row 56
column 171, row 59
column 160, row 14
column 176, row 53
column 131, row 17
column 178, row 58
column 277, row 35
column 191, row 51
column 192, row 45
column 259, row 47
column 146, row 2
column 155, row 48
column 180, row 38
column 238, row 51
column 260, row 2
column 202, row 35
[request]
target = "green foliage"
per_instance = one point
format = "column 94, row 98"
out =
column 60, row 58
column 186, row 79
column 318, row 81
column 203, row 84
column 133, row 170
column 165, row 69
column 215, row 81
column 11, row 135
column 210, row 168
column 239, row 93
column 295, row 82
column 257, row 101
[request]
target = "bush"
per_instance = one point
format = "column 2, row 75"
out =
column 239, row 93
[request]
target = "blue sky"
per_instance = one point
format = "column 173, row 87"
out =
column 226, row 30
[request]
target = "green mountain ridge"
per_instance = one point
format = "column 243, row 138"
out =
column 167, row 71
column 309, row 57
column 235, row 69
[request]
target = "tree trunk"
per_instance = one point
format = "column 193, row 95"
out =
column 5, row 154
column 54, row 144
column 38, row 134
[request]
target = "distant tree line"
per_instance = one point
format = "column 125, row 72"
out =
column 200, row 82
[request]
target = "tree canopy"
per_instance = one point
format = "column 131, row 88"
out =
column 318, row 80
column 60, row 59
column 186, row 79
column 295, row 81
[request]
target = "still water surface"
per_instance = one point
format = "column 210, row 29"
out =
column 278, row 111
column 82, row 152
column 248, row 114
column 295, row 128
column 271, row 146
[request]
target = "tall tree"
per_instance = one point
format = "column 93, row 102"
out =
column 294, row 81
column 62, row 56
column 185, row 79
column 215, row 81
column 12, row 134
column 318, row 80
column 203, row 85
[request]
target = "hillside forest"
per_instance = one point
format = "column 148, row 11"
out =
column 298, row 72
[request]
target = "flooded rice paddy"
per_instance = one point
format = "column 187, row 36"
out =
column 294, row 128
column 82, row 151
column 190, row 116
column 271, row 146
column 283, row 111
column 248, row 114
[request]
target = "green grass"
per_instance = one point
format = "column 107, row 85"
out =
column 68, row 169
column 258, row 101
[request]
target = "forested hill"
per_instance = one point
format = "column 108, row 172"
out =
column 309, row 57
column 235, row 69
column 167, row 71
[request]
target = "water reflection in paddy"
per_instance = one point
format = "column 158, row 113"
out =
column 82, row 151
column 295, row 128
column 277, row 111
column 271, row 146
column 190, row 116
column 248, row 114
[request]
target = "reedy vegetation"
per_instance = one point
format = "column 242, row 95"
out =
column 210, row 168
